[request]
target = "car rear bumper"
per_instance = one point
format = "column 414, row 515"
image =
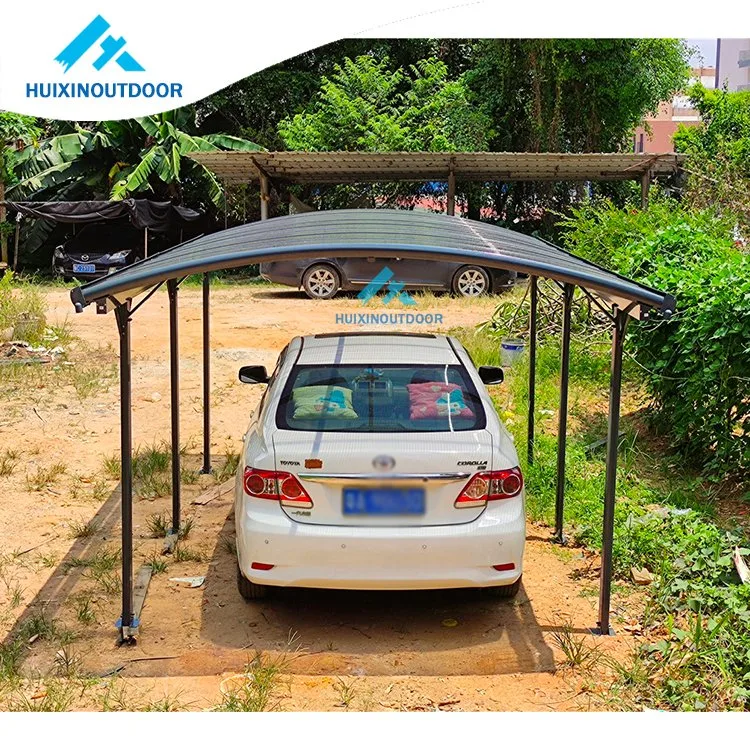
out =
column 359, row 557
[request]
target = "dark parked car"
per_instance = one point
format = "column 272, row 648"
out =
column 323, row 278
column 98, row 249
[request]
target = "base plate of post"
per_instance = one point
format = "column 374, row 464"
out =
column 598, row 630
column 128, row 633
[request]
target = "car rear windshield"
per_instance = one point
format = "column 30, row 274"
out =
column 380, row 398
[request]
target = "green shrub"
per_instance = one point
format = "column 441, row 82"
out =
column 696, row 364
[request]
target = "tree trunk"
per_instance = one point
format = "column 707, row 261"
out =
column 3, row 215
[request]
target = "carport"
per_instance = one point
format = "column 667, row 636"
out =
column 368, row 233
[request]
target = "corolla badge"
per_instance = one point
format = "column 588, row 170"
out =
column 383, row 463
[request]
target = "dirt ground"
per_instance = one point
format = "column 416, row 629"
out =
column 450, row 650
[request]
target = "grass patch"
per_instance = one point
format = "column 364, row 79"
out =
column 45, row 476
column 8, row 461
column 229, row 467
column 82, row 530
column 183, row 553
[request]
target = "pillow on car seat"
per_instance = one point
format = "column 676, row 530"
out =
column 323, row 402
column 433, row 400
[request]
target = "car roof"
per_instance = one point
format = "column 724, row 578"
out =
column 376, row 348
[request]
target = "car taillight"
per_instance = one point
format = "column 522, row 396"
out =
column 276, row 485
column 490, row 485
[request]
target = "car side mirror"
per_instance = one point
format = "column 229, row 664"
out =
column 491, row 375
column 253, row 374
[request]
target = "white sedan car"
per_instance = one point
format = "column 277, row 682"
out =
column 377, row 461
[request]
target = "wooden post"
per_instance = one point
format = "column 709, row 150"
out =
column 451, row 207
column 645, row 185
column 264, row 197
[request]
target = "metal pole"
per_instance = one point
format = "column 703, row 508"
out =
column 145, row 242
column 174, row 381
column 264, row 197
column 610, row 482
column 532, row 369
column 206, row 469
column 127, row 623
column 562, row 427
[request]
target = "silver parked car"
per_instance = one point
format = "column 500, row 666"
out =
column 323, row 278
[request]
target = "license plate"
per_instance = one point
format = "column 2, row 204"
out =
column 84, row 268
column 383, row 501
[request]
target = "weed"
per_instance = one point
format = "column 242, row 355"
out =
column 67, row 662
column 229, row 467
column 43, row 477
column 166, row 704
column 228, row 544
column 159, row 525
column 48, row 560
column 256, row 689
column 8, row 462
column 52, row 695
column 111, row 466
column 345, row 690
column 100, row 491
column 81, row 530
column 186, row 528
column 158, row 564
column 186, row 554
column 578, row 653
column 155, row 485
column 189, row 476
column 15, row 596
column 84, row 610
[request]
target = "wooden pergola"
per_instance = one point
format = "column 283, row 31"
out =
column 279, row 168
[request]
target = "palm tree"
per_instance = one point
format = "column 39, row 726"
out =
column 16, row 131
column 123, row 158
column 163, row 156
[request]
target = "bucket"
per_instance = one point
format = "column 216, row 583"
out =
column 511, row 351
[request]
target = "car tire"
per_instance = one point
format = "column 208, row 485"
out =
column 249, row 590
column 321, row 281
column 471, row 281
column 506, row 592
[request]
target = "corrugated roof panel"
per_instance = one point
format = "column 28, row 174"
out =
column 361, row 233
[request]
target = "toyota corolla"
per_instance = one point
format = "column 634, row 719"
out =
column 377, row 461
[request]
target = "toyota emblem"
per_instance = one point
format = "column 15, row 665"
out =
column 383, row 463
column 84, row 257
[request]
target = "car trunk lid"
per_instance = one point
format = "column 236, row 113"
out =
column 383, row 480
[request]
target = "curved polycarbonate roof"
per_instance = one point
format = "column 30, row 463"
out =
column 367, row 232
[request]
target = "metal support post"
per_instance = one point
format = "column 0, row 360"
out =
column 206, row 468
column 127, row 624
column 610, row 482
column 174, row 382
column 562, row 428
column 533, row 290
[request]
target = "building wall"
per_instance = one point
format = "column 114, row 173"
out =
column 733, row 64
column 655, row 137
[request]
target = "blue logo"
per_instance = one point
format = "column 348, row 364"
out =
column 395, row 289
column 112, row 49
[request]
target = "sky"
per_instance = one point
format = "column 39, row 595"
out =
column 706, row 50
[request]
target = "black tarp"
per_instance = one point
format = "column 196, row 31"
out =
column 159, row 216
